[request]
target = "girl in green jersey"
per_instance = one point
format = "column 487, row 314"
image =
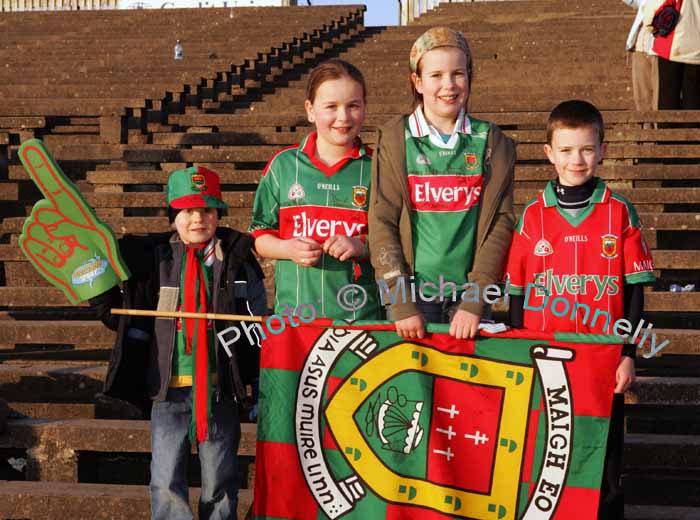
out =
column 441, row 215
column 310, row 210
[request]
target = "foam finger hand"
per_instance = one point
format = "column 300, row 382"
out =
column 62, row 237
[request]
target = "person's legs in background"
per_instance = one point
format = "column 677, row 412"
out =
column 691, row 87
column 645, row 81
column 670, row 84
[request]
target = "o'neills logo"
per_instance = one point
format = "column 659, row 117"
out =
column 444, row 192
column 320, row 223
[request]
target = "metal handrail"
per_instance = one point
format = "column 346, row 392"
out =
column 409, row 10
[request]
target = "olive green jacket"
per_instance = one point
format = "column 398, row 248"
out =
column 390, row 234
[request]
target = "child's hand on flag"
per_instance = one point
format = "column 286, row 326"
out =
column 464, row 325
column 411, row 327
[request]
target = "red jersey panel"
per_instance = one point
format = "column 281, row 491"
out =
column 572, row 269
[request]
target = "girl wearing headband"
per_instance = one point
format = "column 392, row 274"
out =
column 441, row 207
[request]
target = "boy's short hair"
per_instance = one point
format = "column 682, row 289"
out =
column 575, row 114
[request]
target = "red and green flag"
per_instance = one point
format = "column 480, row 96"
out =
column 357, row 423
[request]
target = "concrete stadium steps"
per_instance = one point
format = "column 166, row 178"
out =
column 101, row 436
column 664, row 488
column 60, row 411
column 231, row 113
column 66, row 454
column 233, row 53
column 239, row 53
column 46, row 500
column 80, row 334
column 649, row 512
column 659, row 420
column 57, row 381
column 509, row 60
column 73, row 450
column 488, row 91
column 72, row 438
column 655, row 452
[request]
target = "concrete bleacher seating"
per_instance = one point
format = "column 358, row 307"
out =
column 119, row 138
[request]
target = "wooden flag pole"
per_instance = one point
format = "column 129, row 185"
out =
column 204, row 315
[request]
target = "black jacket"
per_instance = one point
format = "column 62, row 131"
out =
column 140, row 364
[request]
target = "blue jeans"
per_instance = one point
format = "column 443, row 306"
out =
column 170, row 447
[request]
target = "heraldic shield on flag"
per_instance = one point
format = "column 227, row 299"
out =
column 358, row 423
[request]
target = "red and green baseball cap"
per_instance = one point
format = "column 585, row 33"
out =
column 194, row 187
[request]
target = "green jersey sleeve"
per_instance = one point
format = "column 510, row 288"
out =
column 266, row 207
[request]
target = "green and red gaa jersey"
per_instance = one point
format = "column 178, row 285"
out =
column 299, row 196
column 577, row 265
column 444, row 182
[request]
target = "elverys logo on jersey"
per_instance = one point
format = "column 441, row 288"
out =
column 199, row 182
column 572, row 284
column 444, row 192
column 321, row 222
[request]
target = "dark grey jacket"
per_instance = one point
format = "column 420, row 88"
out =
column 140, row 365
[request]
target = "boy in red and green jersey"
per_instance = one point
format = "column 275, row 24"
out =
column 300, row 196
column 578, row 262
column 585, row 260
column 444, row 182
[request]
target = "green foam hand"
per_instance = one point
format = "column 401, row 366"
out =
column 62, row 237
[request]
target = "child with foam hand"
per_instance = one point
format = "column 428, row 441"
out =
column 582, row 243
column 310, row 210
column 441, row 208
column 193, row 380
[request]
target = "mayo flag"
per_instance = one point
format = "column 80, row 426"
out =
column 357, row 423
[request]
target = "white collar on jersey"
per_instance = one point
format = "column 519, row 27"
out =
column 420, row 127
